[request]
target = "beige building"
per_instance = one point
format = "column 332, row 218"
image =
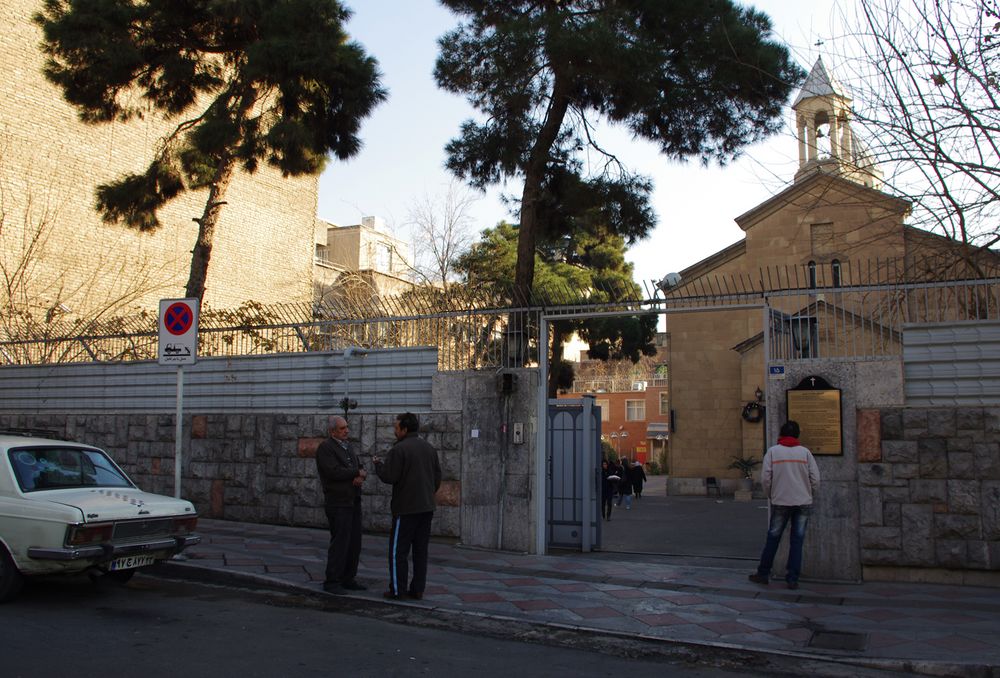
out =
column 61, row 260
column 832, row 220
column 363, row 257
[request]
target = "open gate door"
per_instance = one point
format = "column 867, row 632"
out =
column 573, row 448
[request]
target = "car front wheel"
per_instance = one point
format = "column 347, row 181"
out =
column 11, row 579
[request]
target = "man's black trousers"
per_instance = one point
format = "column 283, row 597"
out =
column 409, row 531
column 345, row 542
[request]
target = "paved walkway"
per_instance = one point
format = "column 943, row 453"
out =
column 918, row 628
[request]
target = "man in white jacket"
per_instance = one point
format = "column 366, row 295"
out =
column 790, row 477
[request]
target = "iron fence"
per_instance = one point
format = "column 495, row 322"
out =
column 854, row 310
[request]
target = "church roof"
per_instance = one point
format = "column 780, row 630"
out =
column 819, row 83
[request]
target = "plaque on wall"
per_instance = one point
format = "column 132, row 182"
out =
column 815, row 405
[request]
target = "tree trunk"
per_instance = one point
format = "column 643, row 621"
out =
column 202, row 252
column 534, row 175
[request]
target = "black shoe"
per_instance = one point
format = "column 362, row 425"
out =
column 759, row 579
column 333, row 587
column 415, row 596
column 353, row 585
column 793, row 585
column 389, row 595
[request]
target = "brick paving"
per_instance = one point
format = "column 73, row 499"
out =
column 952, row 628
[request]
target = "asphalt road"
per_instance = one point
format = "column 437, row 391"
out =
column 163, row 629
column 702, row 530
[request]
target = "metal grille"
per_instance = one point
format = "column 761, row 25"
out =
column 135, row 530
column 849, row 310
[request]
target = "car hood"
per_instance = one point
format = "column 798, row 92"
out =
column 101, row 504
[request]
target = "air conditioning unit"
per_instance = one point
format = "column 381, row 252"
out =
column 638, row 386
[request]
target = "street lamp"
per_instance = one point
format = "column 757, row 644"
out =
column 614, row 441
column 623, row 435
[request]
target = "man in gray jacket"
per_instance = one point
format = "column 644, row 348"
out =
column 341, row 476
column 790, row 477
column 413, row 470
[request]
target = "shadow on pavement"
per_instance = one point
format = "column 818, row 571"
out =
column 711, row 531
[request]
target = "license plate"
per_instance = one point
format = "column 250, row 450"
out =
column 131, row 562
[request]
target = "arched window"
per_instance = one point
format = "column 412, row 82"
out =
column 812, row 275
column 835, row 269
column 823, row 130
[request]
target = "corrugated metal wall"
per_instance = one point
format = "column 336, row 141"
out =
column 946, row 364
column 387, row 381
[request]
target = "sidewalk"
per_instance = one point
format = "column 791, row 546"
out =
column 919, row 628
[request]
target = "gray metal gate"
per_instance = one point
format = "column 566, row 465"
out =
column 573, row 444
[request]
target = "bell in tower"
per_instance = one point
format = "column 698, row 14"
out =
column 823, row 130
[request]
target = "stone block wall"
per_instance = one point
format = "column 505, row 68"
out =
column 929, row 491
column 259, row 468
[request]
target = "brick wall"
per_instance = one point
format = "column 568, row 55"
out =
column 259, row 468
column 50, row 165
column 929, row 488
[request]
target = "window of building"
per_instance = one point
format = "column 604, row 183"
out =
column 384, row 258
column 835, row 270
column 635, row 410
column 821, row 238
column 812, row 275
column 664, row 403
column 605, row 406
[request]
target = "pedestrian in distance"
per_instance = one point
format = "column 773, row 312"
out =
column 414, row 471
column 625, row 485
column 341, row 476
column 638, row 476
column 790, row 478
column 609, row 481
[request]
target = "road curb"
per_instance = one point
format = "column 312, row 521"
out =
column 570, row 635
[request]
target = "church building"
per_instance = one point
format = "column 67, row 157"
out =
column 833, row 227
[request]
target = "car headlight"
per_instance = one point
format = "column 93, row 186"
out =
column 184, row 526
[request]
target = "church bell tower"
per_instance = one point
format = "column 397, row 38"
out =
column 823, row 130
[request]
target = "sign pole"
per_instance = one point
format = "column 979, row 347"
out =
column 178, row 346
column 178, row 428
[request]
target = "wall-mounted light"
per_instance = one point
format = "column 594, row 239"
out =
column 758, row 394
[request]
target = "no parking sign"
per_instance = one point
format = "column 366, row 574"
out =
column 178, row 331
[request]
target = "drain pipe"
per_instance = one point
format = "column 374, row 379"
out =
column 348, row 404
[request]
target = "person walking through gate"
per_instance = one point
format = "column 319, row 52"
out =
column 341, row 475
column 413, row 470
column 609, row 480
column 638, row 476
column 790, row 478
column 625, row 485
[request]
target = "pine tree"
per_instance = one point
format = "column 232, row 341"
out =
column 246, row 81
column 699, row 79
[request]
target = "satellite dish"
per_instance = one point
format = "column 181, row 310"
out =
column 669, row 281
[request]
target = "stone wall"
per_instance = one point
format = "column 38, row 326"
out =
column 258, row 468
column 929, row 490
column 498, row 510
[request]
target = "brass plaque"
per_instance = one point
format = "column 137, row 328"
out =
column 818, row 415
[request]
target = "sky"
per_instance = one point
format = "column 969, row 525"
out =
column 403, row 157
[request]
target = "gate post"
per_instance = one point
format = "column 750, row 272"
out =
column 541, row 431
column 587, row 471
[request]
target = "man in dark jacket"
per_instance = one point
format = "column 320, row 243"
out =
column 341, row 476
column 413, row 470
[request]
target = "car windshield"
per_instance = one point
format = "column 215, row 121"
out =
column 47, row 468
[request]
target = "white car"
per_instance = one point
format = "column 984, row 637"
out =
column 68, row 508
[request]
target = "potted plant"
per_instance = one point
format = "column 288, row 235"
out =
column 745, row 465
